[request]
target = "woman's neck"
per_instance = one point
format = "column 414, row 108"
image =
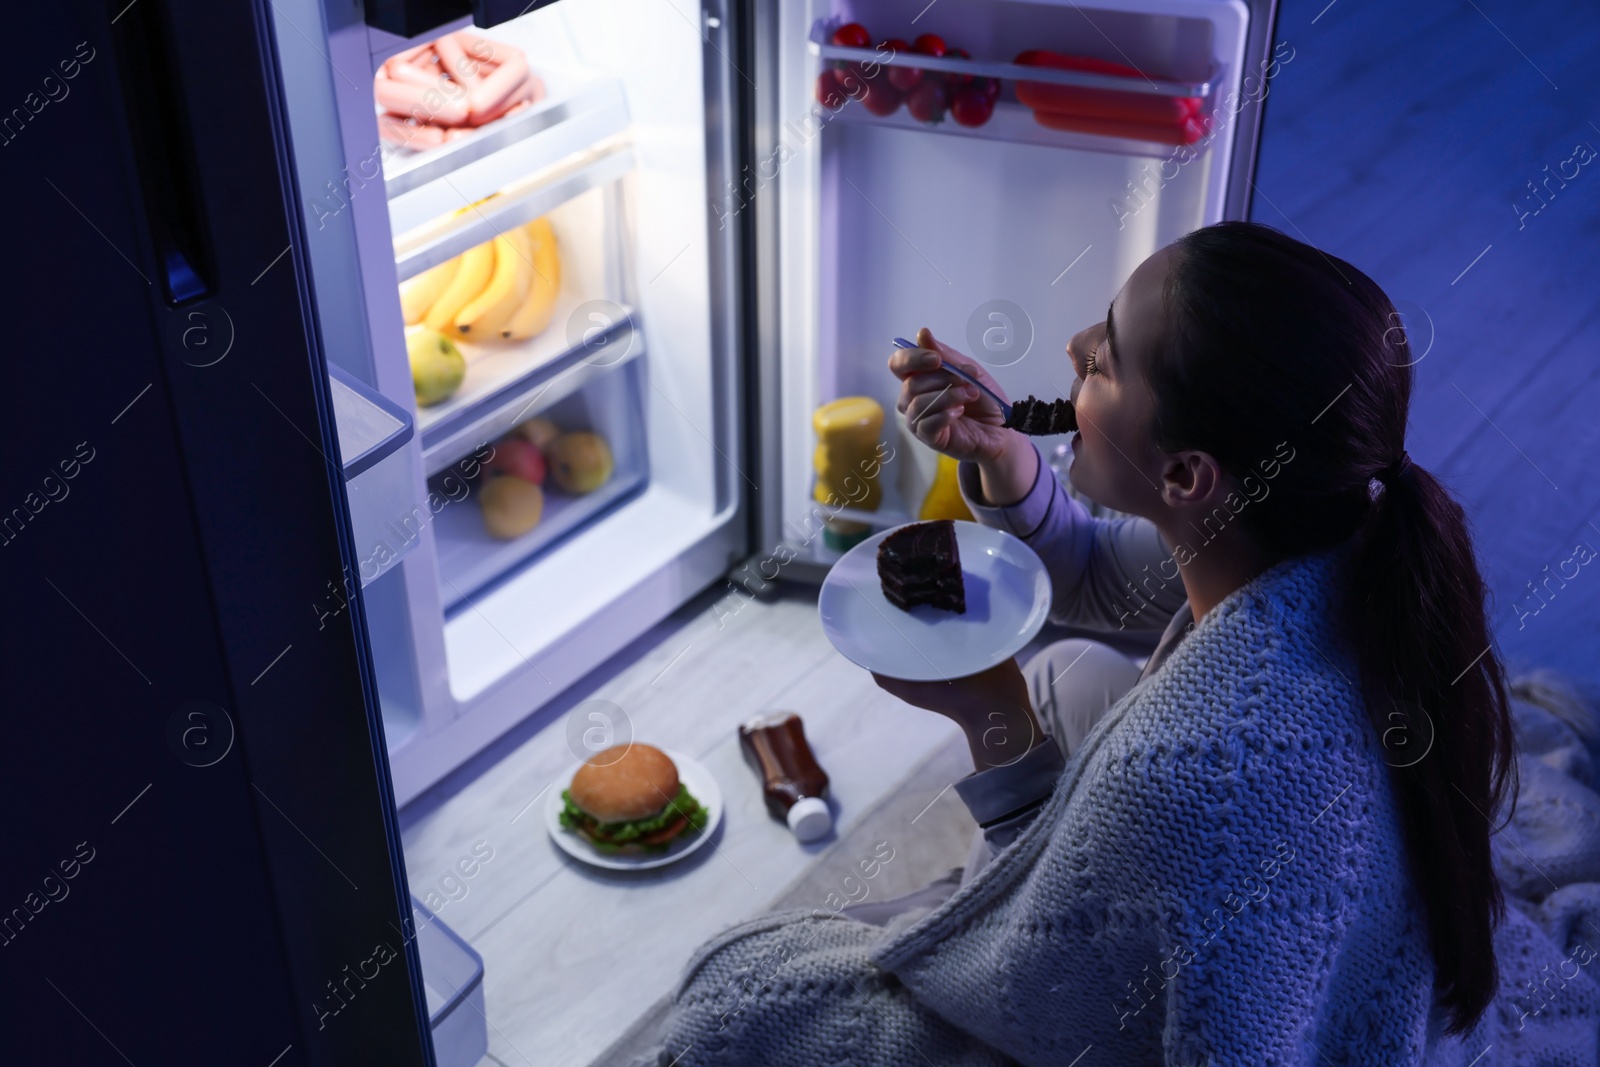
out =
column 1212, row 567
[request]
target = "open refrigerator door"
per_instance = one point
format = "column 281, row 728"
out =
column 990, row 170
column 512, row 242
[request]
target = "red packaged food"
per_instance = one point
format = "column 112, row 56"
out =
column 1108, row 104
column 1188, row 131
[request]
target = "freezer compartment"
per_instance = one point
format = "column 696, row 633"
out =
column 609, row 404
column 1134, row 81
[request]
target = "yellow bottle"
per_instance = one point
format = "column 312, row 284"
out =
column 847, row 462
column 944, row 499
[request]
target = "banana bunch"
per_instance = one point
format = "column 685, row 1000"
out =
column 502, row 290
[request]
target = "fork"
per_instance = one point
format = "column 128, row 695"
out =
column 1005, row 408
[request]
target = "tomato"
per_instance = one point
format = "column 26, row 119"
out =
column 852, row 35
column 927, row 102
column 929, row 45
column 958, row 82
column 972, row 107
column 881, row 98
column 903, row 78
column 829, row 93
column 850, row 81
column 990, row 87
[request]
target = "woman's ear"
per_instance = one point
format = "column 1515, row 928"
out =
column 1190, row 479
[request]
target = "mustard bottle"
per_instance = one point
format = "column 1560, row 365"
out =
column 847, row 462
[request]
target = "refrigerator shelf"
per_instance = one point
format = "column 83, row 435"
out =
column 471, row 560
column 579, row 113
column 986, row 68
column 506, row 385
column 524, row 200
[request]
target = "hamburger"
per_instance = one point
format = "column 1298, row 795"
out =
column 627, row 799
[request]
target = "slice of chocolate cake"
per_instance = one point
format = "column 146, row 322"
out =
column 1042, row 417
column 920, row 564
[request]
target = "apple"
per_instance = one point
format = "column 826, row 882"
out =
column 538, row 431
column 511, row 506
column 580, row 462
column 516, row 456
column 437, row 366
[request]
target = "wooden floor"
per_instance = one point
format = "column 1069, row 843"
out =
column 1402, row 137
column 575, row 957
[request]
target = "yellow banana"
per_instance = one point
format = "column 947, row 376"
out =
column 486, row 313
column 534, row 314
column 418, row 294
column 477, row 264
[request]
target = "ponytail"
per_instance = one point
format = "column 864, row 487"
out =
column 1271, row 341
column 1437, row 694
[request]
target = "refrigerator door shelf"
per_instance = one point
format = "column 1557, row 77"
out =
column 377, row 468
column 452, row 981
column 471, row 560
column 371, row 427
column 522, row 201
column 822, row 32
column 475, row 416
column 579, row 112
column 1015, row 122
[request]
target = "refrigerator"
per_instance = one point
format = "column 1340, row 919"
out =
column 734, row 254
column 736, row 250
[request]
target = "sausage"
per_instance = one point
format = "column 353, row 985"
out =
column 489, row 96
column 1107, row 103
column 425, row 104
column 453, row 57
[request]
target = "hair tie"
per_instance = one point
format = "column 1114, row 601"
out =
column 1390, row 474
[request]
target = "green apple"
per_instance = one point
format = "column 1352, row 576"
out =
column 437, row 365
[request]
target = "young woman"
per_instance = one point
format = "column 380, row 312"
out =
column 1271, row 843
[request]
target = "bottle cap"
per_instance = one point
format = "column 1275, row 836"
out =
column 810, row 818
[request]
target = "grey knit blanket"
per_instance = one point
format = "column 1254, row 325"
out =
column 1213, row 881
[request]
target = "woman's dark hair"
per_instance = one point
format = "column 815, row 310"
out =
column 1270, row 340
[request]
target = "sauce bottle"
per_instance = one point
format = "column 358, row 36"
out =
column 792, row 782
column 846, row 463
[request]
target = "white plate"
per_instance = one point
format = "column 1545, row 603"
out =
column 690, row 772
column 1008, row 597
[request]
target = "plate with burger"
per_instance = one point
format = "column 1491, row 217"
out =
column 634, row 806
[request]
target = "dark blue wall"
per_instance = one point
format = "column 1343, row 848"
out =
column 1402, row 137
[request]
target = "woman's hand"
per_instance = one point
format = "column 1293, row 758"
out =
column 946, row 413
column 992, row 707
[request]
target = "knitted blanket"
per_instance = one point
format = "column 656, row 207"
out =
column 1218, row 878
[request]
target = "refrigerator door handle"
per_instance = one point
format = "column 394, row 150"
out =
column 163, row 150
